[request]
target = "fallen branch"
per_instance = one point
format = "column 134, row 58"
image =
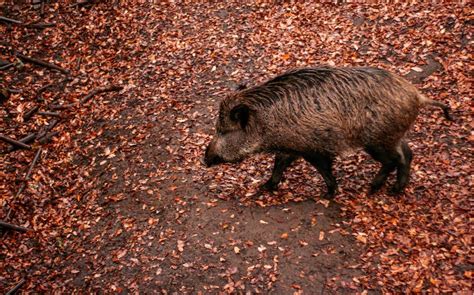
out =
column 101, row 90
column 14, row 142
column 10, row 226
column 42, row 63
column 16, row 288
column 27, row 139
column 10, row 20
column 30, row 113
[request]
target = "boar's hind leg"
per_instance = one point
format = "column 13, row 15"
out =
column 323, row 163
column 391, row 158
column 388, row 158
column 282, row 161
column 403, row 168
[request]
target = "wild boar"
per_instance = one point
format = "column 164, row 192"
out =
column 317, row 114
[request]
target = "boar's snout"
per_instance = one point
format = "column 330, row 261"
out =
column 211, row 158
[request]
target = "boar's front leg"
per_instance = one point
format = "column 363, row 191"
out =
column 282, row 161
column 323, row 163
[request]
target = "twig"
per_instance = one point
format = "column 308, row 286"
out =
column 61, row 106
column 10, row 20
column 78, row 64
column 11, row 90
column 30, row 113
column 45, row 139
column 47, row 128
column 87, row 97
column 54, row 114
column 13, row 226
column 42, row 63
column 7, row 66
column 16, row 288
column 43, row 88
column 27, row 139
column 14, row 142
column 28, row 174
column 80, row 3
column 101, row 90
column 40, row 25
column 27, row 177
column 30, row 25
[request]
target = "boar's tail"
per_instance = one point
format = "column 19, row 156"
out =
column 446, row 109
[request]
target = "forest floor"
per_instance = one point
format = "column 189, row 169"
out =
column 120, row 202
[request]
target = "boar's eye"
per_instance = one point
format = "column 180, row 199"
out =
column 240, row 114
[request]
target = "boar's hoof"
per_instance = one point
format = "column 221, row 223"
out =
column 396, row 189
column 269, row 186
column 329, row 195
column 375, row 188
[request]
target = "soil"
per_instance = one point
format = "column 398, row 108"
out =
column 121, row 202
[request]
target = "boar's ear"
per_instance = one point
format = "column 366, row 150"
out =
column 241, row 87
column 240, row 113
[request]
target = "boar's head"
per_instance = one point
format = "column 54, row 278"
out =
column 236, row 134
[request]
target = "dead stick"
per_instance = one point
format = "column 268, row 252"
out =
column 47, row 128
column 43, row 88
column 7, row 66
column 14, row 142
column 40, row 25
column 28, row 174
column 27, row 177
column 45, row 139
column 61, row 106
column 101, row 90
column 11, row 90
column 30, row 113
column 54, row 114
column 79, row 3
column 10, row 20
column 42, row 63
column 27, row 139
column 13, row 226
column 16, row 288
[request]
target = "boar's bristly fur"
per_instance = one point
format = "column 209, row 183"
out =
column 318, row 113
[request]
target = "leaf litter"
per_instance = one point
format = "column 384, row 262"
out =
column 120, row 201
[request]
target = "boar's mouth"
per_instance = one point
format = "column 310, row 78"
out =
column 212, row 160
